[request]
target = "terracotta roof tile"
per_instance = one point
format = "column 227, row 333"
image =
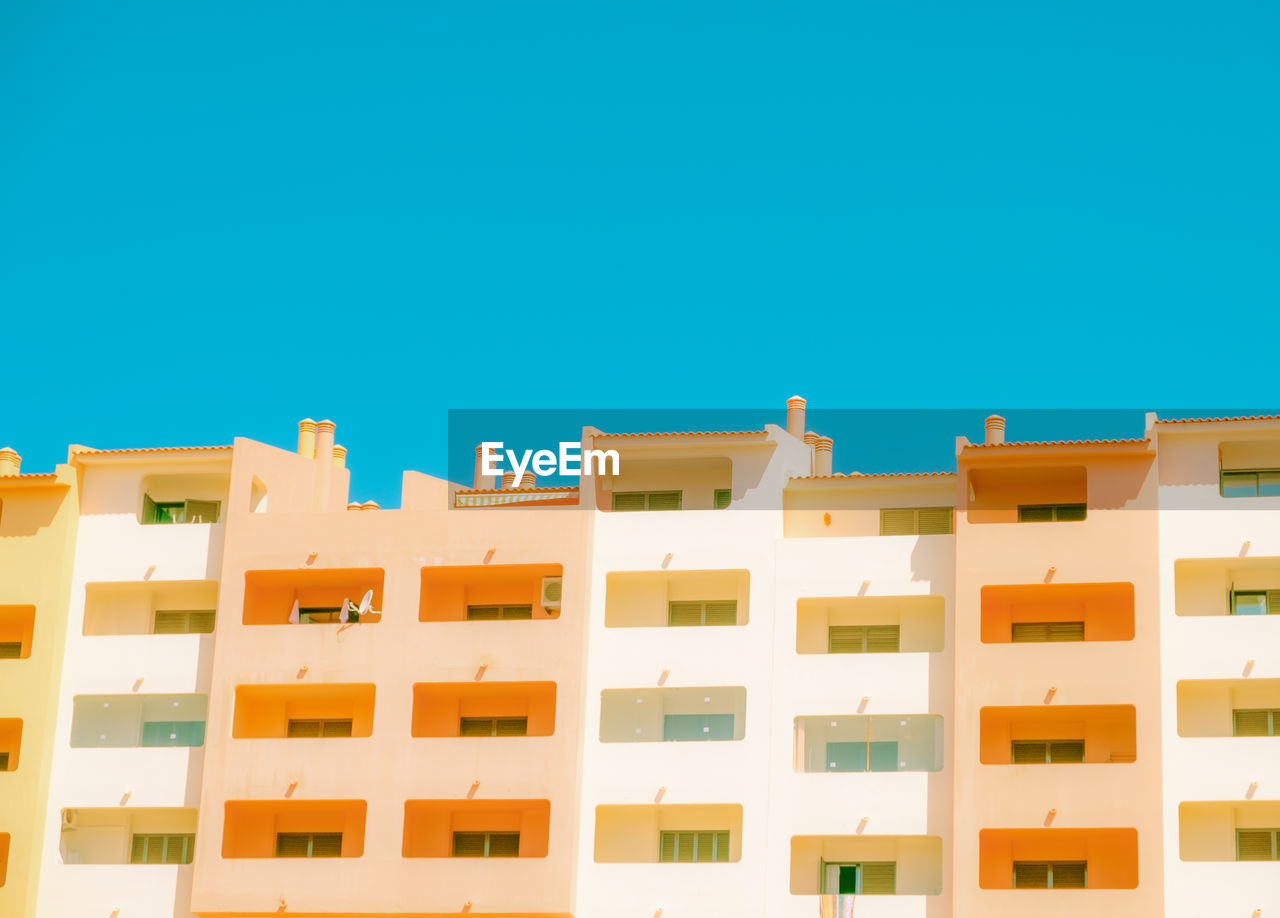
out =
column 1125, row 441
column 862, row 475
column 688, row 433
column 1243, row 417
column 154, row 449
column 560, row 490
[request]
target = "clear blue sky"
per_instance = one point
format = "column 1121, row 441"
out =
column 217, row 218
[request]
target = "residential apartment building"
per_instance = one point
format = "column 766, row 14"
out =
column 717, row 680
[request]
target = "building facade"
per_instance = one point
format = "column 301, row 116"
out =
column 718, row 680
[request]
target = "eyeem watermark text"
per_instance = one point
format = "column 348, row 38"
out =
column 571, row 461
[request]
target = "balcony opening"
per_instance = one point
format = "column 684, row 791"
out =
column 1027, row 495
column 258, row 496
column 99, row 721
column 328, row 710
column 1070, row 734
column 140, row 836
column 312, row 597
column 668, row 833
column 1057, row 612
column 490, row 592
column 1249, row 468
column 836, row 865
column 867, row 743
column 1058, row 858
column 17, row 624
column 150, row 607
column 169, row 499
column 1226, row 586
column 476, row 828
column 293, row 828
column 483, row 709
column 1229, row 830
column 870, row 624
column 696, row 714
column 689, row 483
column 1229, row 707
column 10, row 742
column 660, row 599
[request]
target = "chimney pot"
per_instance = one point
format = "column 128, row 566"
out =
column 479, row 480
column 307, row 438
column 822, row 456
column 370, row 505
column 324, row 460
column 795, row 417
column 339, row 456
column 508, row 479
column 10, row 461
column 529, row 480
column 995, row 429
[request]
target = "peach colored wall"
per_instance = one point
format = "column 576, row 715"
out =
column 438, row 706
column 818, row 508
column 1105, row 729
column 429, row 824
column 446, row 592
column 264, row 711
column 1111, row 854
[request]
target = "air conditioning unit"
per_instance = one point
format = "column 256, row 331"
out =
column 551, row 587
column 68, row 819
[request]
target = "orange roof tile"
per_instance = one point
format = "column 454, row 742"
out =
column 153, row 449
column 1244, row 417
column 1125, row 441
column 559, row 490
column 858, row 475
column 689, row 433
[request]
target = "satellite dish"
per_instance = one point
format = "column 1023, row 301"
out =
column 365, row 602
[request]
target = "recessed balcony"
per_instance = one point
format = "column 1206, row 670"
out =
column 114, row 835
column 871, row 624
column 687, row 714
column 490, row 593
column 1070, row 734
column 293, row 828
column 889, row 865
column 866, row 743
column 484, row 709
column 1028, row 495
column 1057, row 613
column 476, row 828
column 329, row 710
column 150, row 607
column 304, row 597
column 1237, row 830
column 660, row 599
column 183, row 498
column 1244, row 587
column 668, row 834
column 1058, row 859
column 99, row 721
column 17, row 624
column 10, row 742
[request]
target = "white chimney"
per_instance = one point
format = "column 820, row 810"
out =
column 995, row 430
column 10, row 461
column 822, row 456
column 795, row 417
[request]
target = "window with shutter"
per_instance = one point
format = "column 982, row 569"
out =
column 1051, row 513
column 162, row 849
column 723, row 497
column 693, row 847
column 173, row 733
column 1255, row 723
column 304, row 844
column 1255, row 602
column 868, row 878
column 10, row 650
column 715, row 612
column 331, row 727
column 878, row 879
column 917, row 521
column 1040, row 632
column 1044, row 752
column 630, row 500
column 319, row 615
column 647, row 500
column 1050, row 875
column 493, row 726
column 4, row 761
column 863, row 638
column 696, row 727
column 195, row 621
column 1257, row 844
column 494, row 613
column 486, row 844
column 202, row 511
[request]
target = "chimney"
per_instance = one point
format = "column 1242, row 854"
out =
column 10, row 462
column 307, row 438
column 339, row 456
column 324, row 462
column 810, row 438
column 795, row 417
column 508, row 479
column 822, row 456
column 370, row 505
column 995, row 430
column 529, row 480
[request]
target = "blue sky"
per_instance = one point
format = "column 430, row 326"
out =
column 216, row 219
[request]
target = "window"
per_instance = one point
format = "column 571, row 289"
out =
column 1249, row 483
column 916, row 521
column 4, row 761
column 194, row 621
column 867, row 878
column 1257, row 844
column 306, row 844
column 680, row 727
column 1255, row 602
column 173, row 733
column 319, row 728
column 693, row 847
column 723, row 497
column 486, row 844
column 162, row 849
column 1050, row 513
column 319, row 615
column 1050, row 875
column 495, row 613
column 718, row 612
column 179, row 511
column 1045, row 752
column 877, row 756
column 863, row 638
column 647, row 500
column 493, row 726
column 10, row 650
column 1040, row 632
column 1255, row 722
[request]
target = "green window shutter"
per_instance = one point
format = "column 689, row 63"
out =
column 1030, row 875
column 936, row 521
column 665, row 500
column 483, row 613
column 504, row 844
column 335, row 728
column 1069, row 513
column 722, row 612
column 293, row 844
column 150, row 513
column 685, row 842
column 882, row 638
column 159, row 733
column 1038, row 632
column 202, row 511
column 1273, row 602
column 1035, row 514
column 303, row 729
column 1030, row 753
column 1066, row 631
column 846, row 639
column 1066, row 751
column 10, row 650
column 468, row 844
column 1249, row 602
column 4, row 761
column 138, row 852
column 1068, row 874
column 476, row 726
column 898, row 521
column 629, row 500
column 1251, row 723
column 667, row 848
column 721, row 847
column 723, row 497
column 326, row 844
column 878, row 878
column 517, row 612
column 170, row 623
column 201, row 622
column 684, row 613
column 1255, row 844
column 512, row 726
column 1238, row 484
